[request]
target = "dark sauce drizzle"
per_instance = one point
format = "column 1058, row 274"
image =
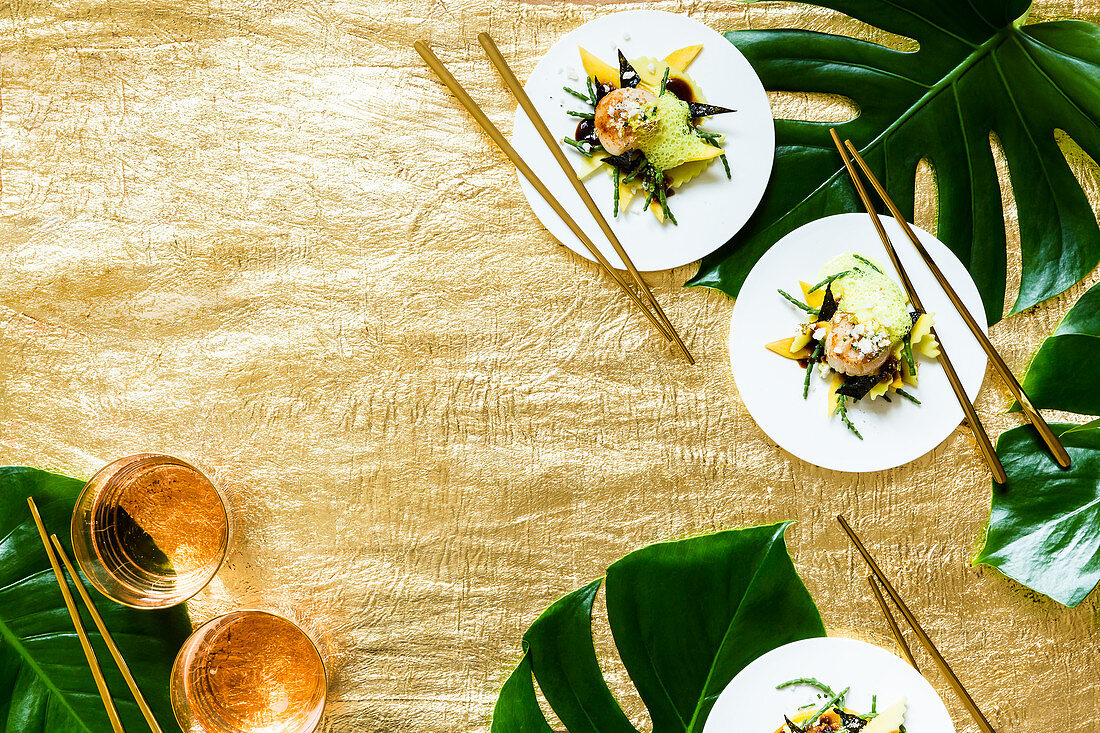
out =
column 680, row 88
column 586, row 132
column 586, row 129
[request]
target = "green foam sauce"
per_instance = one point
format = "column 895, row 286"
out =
column 870, row 295
column 668, row 137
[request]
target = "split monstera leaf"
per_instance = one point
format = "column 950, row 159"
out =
column 977, row 73
column 1063, row 374
column 45, row 683
column 1044, row 525
column 686, row 617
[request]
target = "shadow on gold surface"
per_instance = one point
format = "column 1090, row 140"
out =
column 261, row 237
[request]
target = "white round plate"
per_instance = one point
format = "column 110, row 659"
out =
column 894, row 433
column 710, row 209
column 751, row 703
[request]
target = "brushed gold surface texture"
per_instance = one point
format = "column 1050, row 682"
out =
column 260, row 236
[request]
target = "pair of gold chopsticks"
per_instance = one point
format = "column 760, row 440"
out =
column 1049, row 438
column 54, row 550
column 925, row 641
column 646, row 301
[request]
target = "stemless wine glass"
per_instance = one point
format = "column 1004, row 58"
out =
column 249, row 671
column 150, row 531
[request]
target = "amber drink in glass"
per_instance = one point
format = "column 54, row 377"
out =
column 150, row 531
column 249, row 672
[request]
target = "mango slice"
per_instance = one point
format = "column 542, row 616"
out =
column 598, row 70
column 682, row 58
column 783, row 347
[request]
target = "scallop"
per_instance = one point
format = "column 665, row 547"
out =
column 613, row 118
column 841, row 351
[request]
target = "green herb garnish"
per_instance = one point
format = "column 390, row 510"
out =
column 829, row 279
column 907, row 396
column 837, row 699
column 806, row 393
column 799, row 303
column 808, row 681
column 659, row 183
column 579, row 95
column 711, row 138
column 867, row 262
column 664, row 81
column 649, row 183
column 582, row 115
column 591, row 88
column 842, row 410
column 907, row 352
column 615, row 176
column 637, row 170
column 578, row 145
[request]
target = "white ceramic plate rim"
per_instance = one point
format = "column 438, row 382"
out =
column 771, row 387
column 751, row 702
column 710, row 209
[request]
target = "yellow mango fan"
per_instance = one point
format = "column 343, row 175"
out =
column 642, row 126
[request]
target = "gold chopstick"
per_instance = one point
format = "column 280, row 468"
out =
column 110, row 642
column 922, row 636
column 501, row 142
column 978, row 430
column 85, row 643
column 999, row 365
column 894, row 629
column 518, row 92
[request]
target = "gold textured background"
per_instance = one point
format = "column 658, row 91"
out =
column 259, row 235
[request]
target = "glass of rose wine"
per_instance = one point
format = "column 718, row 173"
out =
column 150, row 531
column 249, row 671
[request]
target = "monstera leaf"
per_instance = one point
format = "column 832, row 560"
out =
column 1044, row 524
column 975, row 72
column 686, row 617
column 1044, row 527
column 1065, row 372
column 45, row 683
